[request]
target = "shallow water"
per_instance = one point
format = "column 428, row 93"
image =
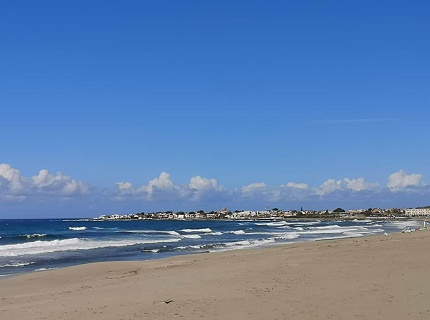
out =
column 36, row 245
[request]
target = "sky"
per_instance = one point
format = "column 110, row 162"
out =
column 130, row 106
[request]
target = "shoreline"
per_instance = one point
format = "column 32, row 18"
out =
column 373, row 277
column 322, row 218
column 257, row 247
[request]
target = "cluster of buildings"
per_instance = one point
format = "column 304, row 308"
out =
column 417, row 212
column 272, row 214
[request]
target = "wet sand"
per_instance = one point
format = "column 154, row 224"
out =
column 376, row 277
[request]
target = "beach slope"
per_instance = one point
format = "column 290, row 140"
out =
column 377, row 277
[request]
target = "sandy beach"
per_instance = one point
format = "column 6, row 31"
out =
column 377, row 277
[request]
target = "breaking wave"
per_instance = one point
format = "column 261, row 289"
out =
column 203, row 230
column 238, row 232
column 215, row 233
column 39, row 247
column 13, row 264
column 77, row 228
column 173, row 233
column 35, row 235
column 192, row 236
column 100, row 228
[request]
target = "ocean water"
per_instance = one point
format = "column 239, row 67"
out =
column 38, row 245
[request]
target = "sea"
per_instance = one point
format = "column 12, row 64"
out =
column 42, row 244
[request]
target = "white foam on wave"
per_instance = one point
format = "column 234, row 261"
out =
column 327, row 227
column 277, row 235
column 305, row 223
column 287, row 236
column 298, row 224
column 216, row 247
column 100, row 228
column 185, row 248
column 246, row 244
column 40, row 247
column 191, row 236
column 336, row 229
column 284, row 227
column 353, row 234
column 13, row 264
column 345, row 236
column 237, row 232
column 214, row 233
column 265, row 233
column 173, row 233
column 45, row 269
column 243, row 244
column 405, row 224
column 203, row 230
column 362, row 220
column 272, row 224
column 277, row 224
column 373, row 231
column 77, row 228
column 35, row 235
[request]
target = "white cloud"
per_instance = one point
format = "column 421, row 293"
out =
column 201, row 188
column 296, row 185
column 199, row 183
column 12, row 176
column 359, row 184
column 164, row 188
column 15, row 187
column 332, row 185
column 328, row 186
column 163, row 182
column 58, row 183
column 253, row 187
column 400, row 180
column 44, row 183
column 124, row 187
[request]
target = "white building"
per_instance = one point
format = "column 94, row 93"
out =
column 424, row 212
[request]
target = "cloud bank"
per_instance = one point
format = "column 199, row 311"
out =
column 14, row 186
column 400, row 180
column 204, row 192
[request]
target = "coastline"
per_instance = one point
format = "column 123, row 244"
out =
column 373, row 277
column 38, row 245
column 310, row 218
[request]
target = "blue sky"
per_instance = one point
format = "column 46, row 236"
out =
column 247, row 95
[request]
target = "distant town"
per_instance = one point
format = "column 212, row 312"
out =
column 275, row 213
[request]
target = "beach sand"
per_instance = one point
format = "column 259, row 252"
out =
column 376, row 277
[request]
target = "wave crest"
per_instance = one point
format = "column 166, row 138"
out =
column 35, row 235
column 203, row 230
column 77, row 228
column 74, row 244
